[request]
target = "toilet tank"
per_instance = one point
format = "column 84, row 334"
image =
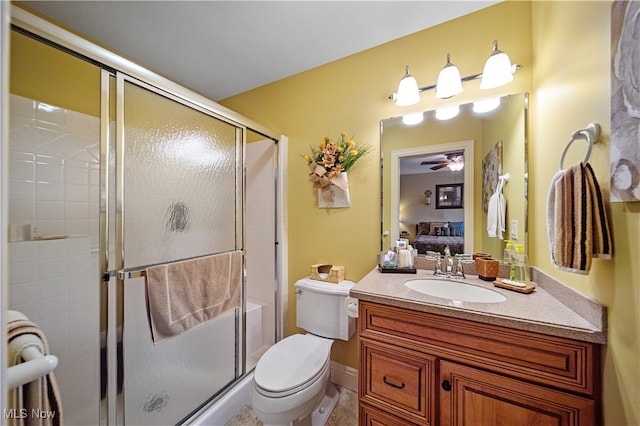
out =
column 320, row 308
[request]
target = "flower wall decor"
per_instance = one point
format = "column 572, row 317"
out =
column 328, row 166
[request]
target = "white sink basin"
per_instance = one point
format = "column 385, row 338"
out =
column 454, row 290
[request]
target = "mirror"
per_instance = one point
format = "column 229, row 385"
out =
column 424, row 193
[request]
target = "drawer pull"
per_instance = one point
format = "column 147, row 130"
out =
column 401, row 386
column 446, row 385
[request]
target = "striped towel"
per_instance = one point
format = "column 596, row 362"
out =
column 36, row 403
column 577, row 223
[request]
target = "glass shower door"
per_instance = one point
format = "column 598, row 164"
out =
column 179, row 197
column 53, row 165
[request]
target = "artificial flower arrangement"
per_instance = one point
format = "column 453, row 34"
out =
column 328, row 163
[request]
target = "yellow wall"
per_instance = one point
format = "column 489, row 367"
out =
column 572, row 88
column 564, row 47
column 351, row 95
column 51, row 76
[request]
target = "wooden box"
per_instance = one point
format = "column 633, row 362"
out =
column 487, row 268
column 327, row 273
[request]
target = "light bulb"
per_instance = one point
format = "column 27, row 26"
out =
column 486, row 105
column 412, row 119
column 408, row 92
column 497, row 70
column 449, row 81
column 447, row 113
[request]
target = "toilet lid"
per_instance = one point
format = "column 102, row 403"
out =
column 291, row 362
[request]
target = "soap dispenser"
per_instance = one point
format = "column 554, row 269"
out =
column 508, row 253
column 522, row 265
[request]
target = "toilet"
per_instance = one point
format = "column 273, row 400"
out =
column 292, row 377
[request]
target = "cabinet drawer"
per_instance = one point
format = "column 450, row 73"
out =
column 369, row 416
column 397, row 379
column 554, row 361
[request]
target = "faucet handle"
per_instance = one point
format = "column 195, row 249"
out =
column 438, row 267
column 459, row 272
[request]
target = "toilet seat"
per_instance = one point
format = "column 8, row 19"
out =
column 292, row 364
column 309, row 383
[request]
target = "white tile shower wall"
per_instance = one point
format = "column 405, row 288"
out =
column 54, row 187
column 55, row 283
column 53, row 172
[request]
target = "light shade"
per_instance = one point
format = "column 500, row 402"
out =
column 456, row 166
column 408, row 92
column 449, row 81
column 413, row 119
column 447, row 113
column 497, row 70
column 486, row 105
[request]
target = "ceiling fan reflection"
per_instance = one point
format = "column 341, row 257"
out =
column 454, row 160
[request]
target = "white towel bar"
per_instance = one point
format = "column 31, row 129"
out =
column 36, row 365
column 502, row 179
column 590, row 134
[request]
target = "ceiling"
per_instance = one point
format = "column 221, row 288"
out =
column 222, row 48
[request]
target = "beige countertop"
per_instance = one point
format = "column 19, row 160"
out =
column 552, row 309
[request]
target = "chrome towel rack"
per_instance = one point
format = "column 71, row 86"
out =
column 590, row 134
column 502, row 179
column 35, row 366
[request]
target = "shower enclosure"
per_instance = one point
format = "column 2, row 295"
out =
column 144, row 173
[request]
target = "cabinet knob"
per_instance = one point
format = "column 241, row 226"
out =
column 446, row 385
column 394, row 385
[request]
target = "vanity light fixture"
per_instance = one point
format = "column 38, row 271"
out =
column 456, row 166
column 497, row 72
column 486, row 105
column 408, row 92
column 412, row 119
column 447, row 113
column 449, row 81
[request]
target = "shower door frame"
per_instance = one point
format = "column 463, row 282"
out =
column 118, row 270
column 111, row 62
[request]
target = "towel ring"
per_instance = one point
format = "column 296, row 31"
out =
column 590, row 134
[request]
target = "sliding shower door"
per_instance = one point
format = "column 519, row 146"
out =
column 114, row 170
column 179, row 196
column 53, row 202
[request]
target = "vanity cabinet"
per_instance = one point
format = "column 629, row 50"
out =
column 418, row 368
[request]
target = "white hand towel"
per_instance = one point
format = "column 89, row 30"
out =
column 496, row 215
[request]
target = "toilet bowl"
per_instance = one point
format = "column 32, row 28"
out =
column 292, row 377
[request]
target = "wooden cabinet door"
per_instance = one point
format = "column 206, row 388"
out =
column 473, row 397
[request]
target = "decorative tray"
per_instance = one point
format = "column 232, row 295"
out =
column 527, row 288
column 387, row 270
